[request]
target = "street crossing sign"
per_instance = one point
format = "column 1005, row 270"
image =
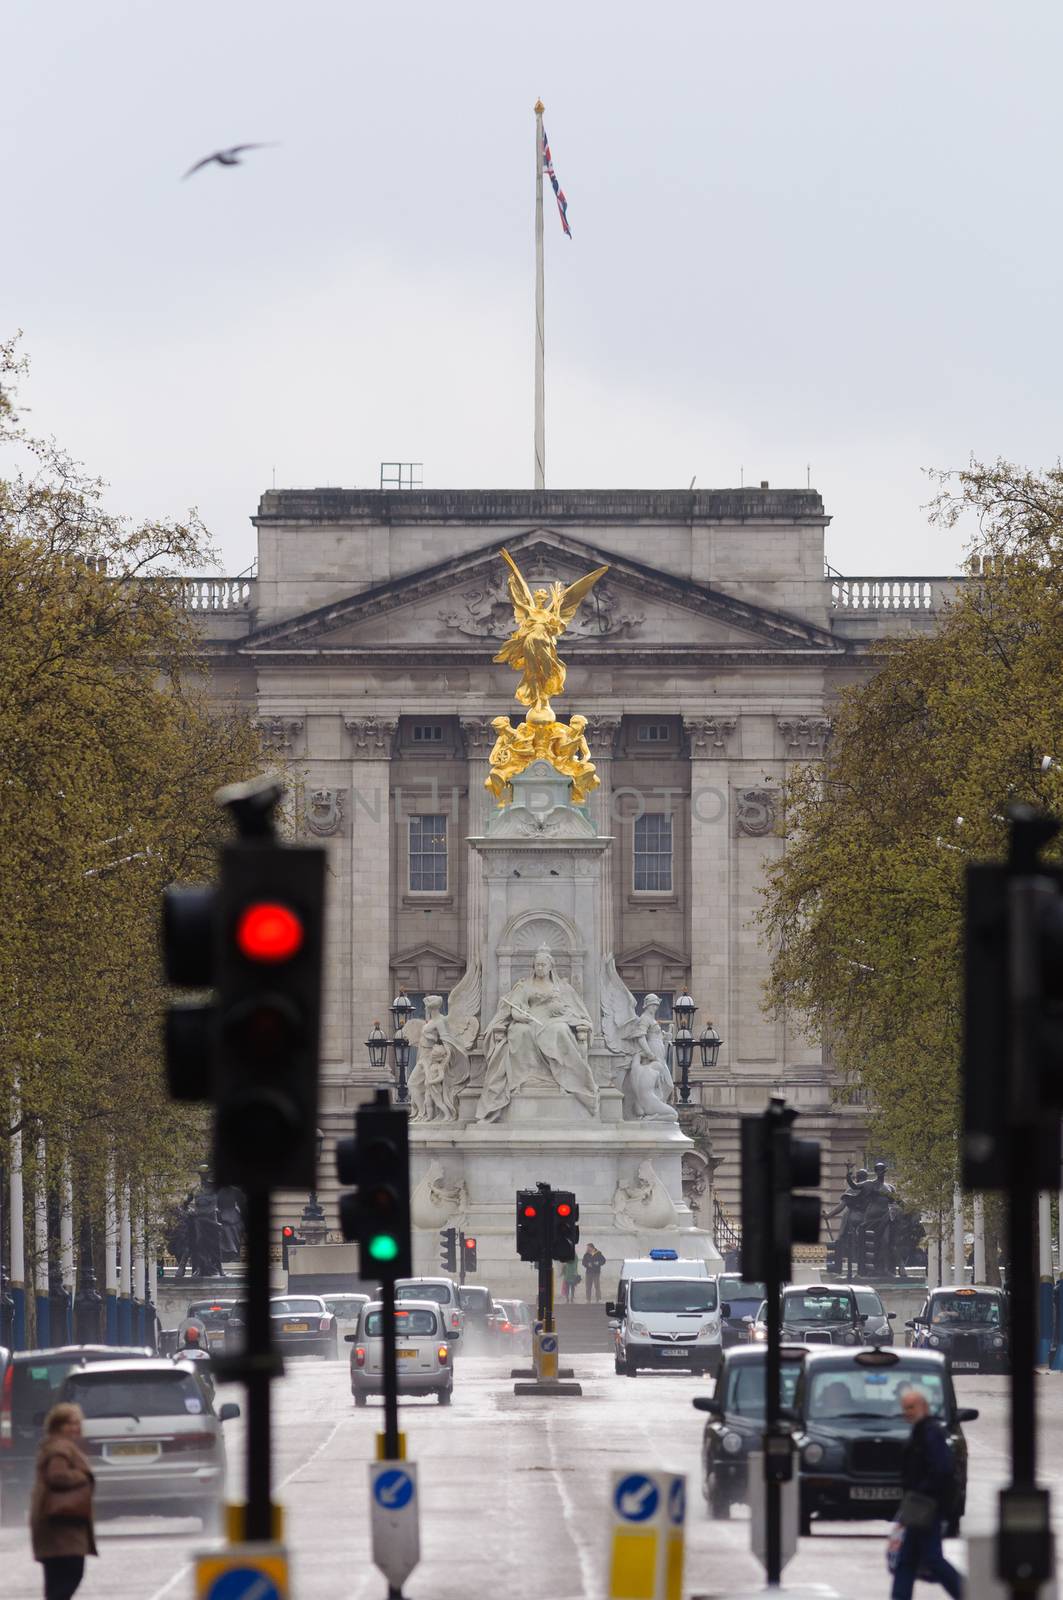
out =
column 394, row 1514
column 243, row 1572
column 646, row 1538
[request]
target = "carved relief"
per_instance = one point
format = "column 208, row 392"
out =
column 279, row 733
column 601, row 734
column 806, row 737
column 372, row 736
column 486, row 612
column 696, row 1183
column 756, row 811
column 324, row 811
column 478, row 734
column 710, row 736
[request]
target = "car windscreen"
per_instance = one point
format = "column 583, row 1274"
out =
column 870, row 1392
column 440, row 1292
column 745, row 1387
column 733, row 1289
column 868, row 1302
column 148, row 1394
column 295, row 1308
column 478, row 1301
column 672, row 1294
column 983, row 1310
column 210, row 1313
column 345, row 1305
column 408, row 1324
column 817, row 1305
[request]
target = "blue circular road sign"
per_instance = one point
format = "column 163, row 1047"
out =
column 244, row 1583
column 393, row 1489
column 677, row 1502
column 548, row 1343
column 636, row 1497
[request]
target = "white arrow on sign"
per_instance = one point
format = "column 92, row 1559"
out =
column 632, row 1502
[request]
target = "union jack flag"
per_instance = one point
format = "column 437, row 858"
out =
column 548, row 168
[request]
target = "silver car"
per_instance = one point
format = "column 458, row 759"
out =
column 152, row 1437
column 424, row 1352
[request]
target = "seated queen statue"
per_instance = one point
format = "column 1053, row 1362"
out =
column 539, row 1037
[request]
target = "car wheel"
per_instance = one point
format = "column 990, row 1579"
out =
column 619, row 1366
column 444, row 1397
column 360, row 1399
column 631, row 1368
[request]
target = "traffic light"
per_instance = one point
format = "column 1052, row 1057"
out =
column 468, row 1250
column 377, row 1215
column 448, row 1244
column 531, row 1230
column 288, row 1237
column 564, row 1235
column 774, row 1218
column 256, row 939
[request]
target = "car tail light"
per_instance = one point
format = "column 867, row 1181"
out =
column 5, row 1408
column 359, row 1355
column 324, row 1325
column 443, row 1352
column 454, row 1319
column 506, row 1327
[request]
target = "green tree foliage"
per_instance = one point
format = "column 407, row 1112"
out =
column 110, row 752
column 865, row 908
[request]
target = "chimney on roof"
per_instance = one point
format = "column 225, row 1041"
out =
column 763, row 483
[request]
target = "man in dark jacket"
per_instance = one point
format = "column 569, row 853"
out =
column 927, row 1469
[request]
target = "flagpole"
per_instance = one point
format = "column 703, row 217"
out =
column 540, row 381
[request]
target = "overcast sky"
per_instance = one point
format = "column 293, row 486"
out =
column 817, row 237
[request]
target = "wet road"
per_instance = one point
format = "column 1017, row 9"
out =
column 514, row 1493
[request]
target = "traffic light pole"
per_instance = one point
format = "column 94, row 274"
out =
column 260, row 1365
column 772, row 1381
column 461, row 1257
column 546, row 1293
column 391, row 1373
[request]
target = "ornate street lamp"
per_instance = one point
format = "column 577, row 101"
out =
column 313, row 1218
column 683, row 1009
column 683, row 1045
column 709, row 1043
column 401, row 1010
column 377, row 1045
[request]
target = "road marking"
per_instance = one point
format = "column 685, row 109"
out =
column 574, row 1522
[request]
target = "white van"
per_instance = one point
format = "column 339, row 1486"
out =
column 658, row 1264
column 668, row 1321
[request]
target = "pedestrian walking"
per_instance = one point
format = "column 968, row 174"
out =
column 61, row 1504
column 569, row 1279
column 928, row 1474
column 593, row 1262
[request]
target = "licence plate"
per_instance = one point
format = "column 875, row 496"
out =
column 878, row 1492
column 131, row 1450
column 679, row 1354
column 964, row 1366
column 295, row 1327
column 405, row 1352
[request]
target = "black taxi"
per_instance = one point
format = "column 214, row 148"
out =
column 851, row 1434
column 968, row 1325
column 735, row 1424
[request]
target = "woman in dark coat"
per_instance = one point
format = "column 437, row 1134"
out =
column 61, row 1504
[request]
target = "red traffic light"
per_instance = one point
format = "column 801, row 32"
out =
column 268, row 931
column 470, row 1244
column 564, row 1209
column 530, row 1211
column 287, row 1233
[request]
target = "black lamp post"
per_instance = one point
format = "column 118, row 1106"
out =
column 313, row 1218
column 709, row 1043
column 377, row 1045
column 683, row 1009
column 401, row 1010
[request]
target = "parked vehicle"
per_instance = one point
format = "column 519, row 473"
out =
column 969, row 1326
column 735, row 1425
column 850, row 1432
column 444, row 1292
column 423, row 1349
column 744, row 1300
column 152, row 1438
column 668, row 1322
column 29, row 1389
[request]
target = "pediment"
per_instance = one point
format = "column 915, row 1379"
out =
column 461, row 606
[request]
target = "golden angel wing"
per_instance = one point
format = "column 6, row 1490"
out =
column 519, row 592
column 575, row 592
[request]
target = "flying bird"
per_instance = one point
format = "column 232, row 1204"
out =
column 225, row 158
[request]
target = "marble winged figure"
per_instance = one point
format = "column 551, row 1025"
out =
column 443, row 1066
column 541, row 616
column 539, row 1037
column 634, row 1034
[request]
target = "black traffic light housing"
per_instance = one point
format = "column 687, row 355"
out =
column 468, row 1253
column 774, row 1218
column 564, row 1234
column 288, row 1237
column 377, row 1214
column 532, row 1217
column 448, row 1246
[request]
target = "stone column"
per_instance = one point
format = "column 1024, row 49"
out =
column 372, row 741
column 602, row 736
column 711, row 741
column 479, row 736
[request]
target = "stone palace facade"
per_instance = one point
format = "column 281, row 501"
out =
column 707, row 662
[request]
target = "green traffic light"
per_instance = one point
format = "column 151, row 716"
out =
column 383, row 1247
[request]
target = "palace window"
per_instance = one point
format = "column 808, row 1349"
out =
column 427, row 733
column 653, row 853
column 664, row 1010
column 428, row 854
column 653, row 733
column 417, row 997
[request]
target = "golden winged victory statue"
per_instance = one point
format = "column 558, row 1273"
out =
column 541, row 616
